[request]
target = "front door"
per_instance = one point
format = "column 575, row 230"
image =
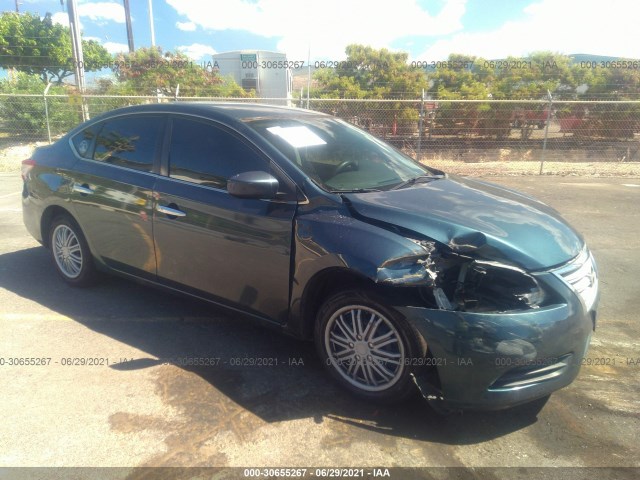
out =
column 235, row 251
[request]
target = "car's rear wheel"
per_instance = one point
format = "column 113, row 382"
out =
column 367, row 347
column 70, row 252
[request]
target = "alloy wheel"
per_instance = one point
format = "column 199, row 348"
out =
column 365, row 348
column 67, row 251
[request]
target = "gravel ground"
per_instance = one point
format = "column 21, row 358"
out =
column 10, row 157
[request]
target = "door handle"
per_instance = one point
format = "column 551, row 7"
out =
column 171, row 212
column 83, row 189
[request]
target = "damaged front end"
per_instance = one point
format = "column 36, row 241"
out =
column 500, row 328
column 452, row 281
column 474, row 311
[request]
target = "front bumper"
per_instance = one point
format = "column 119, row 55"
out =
column 499, row 360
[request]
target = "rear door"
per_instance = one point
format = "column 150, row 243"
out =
column 232, row 250
column 113, row 186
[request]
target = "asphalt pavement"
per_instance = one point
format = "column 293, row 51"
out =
column 121, row 375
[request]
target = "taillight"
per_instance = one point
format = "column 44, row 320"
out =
column 27, row 165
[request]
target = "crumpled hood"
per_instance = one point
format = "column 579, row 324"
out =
column 476, row 218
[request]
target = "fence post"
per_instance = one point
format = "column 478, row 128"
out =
column 432, row 115
column 308, row 75
column 546, row 131
column 46, row 110
column 420, row 125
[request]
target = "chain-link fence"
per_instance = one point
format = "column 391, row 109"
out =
column 504, row 136
column 472, row 137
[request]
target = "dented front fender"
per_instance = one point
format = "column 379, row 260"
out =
column 378, row 254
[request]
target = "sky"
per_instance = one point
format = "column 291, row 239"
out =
column 428, row 30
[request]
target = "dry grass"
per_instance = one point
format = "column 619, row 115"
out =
column 510, row 168
column 596, row 162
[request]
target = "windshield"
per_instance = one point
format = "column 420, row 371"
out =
column 338, row 156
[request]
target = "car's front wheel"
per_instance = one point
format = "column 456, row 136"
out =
column 367, row 347
column 70, row 252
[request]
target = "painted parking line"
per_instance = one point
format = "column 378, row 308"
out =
column 593, row 184
column 584, row 184
column 13, row 317
column 10, row 194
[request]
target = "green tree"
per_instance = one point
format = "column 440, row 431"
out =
column 469, row 78
column 461, row 77
column 532, row 77
column 368, row 73
column 609, row 120
column 611, row 84
column 36, row 45
column 371, row 73
column 25, row 115
column 148, row 71
column 332, row 85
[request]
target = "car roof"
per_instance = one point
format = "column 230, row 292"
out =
column 219, row 110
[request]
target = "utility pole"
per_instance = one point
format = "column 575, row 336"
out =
column 127, row 16
column 153, row 32
column 76, row 47
column 17, row 7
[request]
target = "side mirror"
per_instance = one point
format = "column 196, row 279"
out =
column 260, row 185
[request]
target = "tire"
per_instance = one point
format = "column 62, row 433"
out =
column 70, row 252
column 367, row 347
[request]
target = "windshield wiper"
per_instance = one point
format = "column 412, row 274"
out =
column 418, row 179
column 356, row 190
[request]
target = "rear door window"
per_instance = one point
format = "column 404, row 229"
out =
column 130, row 142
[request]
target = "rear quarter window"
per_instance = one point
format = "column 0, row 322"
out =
column 83, row 142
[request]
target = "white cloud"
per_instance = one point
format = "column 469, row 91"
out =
column 102, row 11
column 327, row 27
column 112, row 47
column 186, row 26
column 568, row 26
column 61, row 18
column 99, row 12
column 196, row 51
column 115, row 47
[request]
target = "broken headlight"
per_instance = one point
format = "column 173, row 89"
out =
column 453, row 282
column 490, row 286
